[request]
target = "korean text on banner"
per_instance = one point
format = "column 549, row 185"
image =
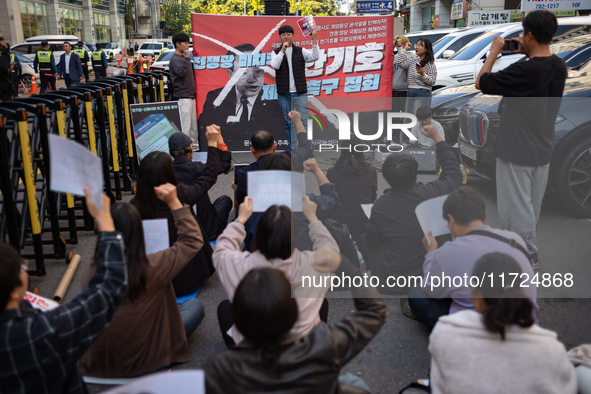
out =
column 274, row 187
column 153, row 124
column 74, row 168
column 555, row 5
column 233, row 69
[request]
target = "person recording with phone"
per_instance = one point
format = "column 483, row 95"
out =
column 526, row 131
column 421, row 73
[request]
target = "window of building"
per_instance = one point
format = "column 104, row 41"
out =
column 101, row 5
column 102, row 27
column 71, row 21
column 34, row 18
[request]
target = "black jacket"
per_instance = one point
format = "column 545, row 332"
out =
column 308, row 364
column 189, row 172
column 5, row 74
column 393, row 232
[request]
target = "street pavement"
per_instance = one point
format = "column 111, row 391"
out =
column 398, row 355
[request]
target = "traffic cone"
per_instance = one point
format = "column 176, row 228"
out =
column 124, row 51
column 141, row 64
column 129, row 70
column 34, row 86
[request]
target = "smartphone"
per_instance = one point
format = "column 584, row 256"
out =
column 511, row 45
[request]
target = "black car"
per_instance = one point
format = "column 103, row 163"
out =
column 448, row 101
column 570, row 163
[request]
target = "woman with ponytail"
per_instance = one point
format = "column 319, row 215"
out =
column 497, row 348
column 274, row 359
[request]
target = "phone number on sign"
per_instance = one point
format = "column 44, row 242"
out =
column 543, row 280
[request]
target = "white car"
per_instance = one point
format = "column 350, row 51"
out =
column 110, row 50
column 448, row 45
column 465, row 64
column 31, row 45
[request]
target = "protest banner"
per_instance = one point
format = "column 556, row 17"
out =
column 153, row 124
column 74, row 168
column 232, row 57
column 273, row 187
column 155, row 235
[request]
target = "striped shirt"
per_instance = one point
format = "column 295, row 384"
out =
column 413, row 78
column 39, row 351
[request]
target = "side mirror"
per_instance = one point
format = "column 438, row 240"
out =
column 448, row 53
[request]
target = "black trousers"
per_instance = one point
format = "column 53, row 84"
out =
column 226, row 322
column 223, row 206
column 47, row 82
column 100, row 72
column 16, row 81
column 85, row 71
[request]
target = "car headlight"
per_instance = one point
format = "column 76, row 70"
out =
column 446, row 112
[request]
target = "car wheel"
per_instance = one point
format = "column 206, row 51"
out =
column 573, row 176
column 26, row 79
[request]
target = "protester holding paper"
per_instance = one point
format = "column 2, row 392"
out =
column 274, row 247
column 40, row 350
column 392, row 243
column 148, row 332
column 464, row 212
column 156, row 169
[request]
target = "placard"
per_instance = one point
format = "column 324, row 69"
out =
column 273, row 187
column 153, row 124
column 430, row 216
column 307, row 25
column 73, row 168
column 40, row 303
column 155, row 235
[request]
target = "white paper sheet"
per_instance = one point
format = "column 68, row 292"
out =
column 273, row 187
column 191, row 381
column 73, row 168
column 367, row 209
column 200, row 156
column 155, row 235
column 41, row 303
column 430, row 216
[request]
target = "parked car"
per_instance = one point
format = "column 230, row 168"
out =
column 432, row 35
column 111, row 49
column 161, row 64
column 570, row 163
column 465, row 64
column 447, row 102
column 31, row 45
column 448, row 45
column 150, row 48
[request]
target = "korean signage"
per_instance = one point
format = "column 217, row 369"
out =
column 487, row 18
column 366, row 7
column 555, row 5
column 355, row 60
column 457, row 10
column 153, row 124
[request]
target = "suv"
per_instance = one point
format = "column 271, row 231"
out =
column 570, row 163
column 447, row 102
column 31, row 45
column 151, row 48
column 465, row 64
column 111, row 49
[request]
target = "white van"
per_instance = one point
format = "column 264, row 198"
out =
column 465, row 64
column 32, row 45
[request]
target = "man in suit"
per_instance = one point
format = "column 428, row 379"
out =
column 70, row 67
column 242, row 112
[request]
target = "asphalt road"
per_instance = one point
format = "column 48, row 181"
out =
column 398, row 355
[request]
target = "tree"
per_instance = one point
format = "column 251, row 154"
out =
column 316, row 7
column 178, row 16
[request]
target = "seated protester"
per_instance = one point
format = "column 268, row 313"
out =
column 262, row 143
column 273, row 358
column 212, row 217
column 464, row 211
column 274, row 246
column 392, row 242
column 497, row 348
column 40, row 350
column 424, row 119
column 326, row 202
column 356, row 182
column 146, row 333
column 157, row 169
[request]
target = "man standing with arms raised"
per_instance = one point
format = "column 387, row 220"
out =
column 183, row 85
column 290, row 62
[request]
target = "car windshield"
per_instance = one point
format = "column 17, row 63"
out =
column 442, row 42
column 23, row 59
column 165, row 57
column 474, row 47
column 579, row 59
column 146, row 46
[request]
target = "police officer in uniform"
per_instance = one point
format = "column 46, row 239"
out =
column 17, row 71
column 84, row 58
column 99, row 63
column 5, row 71
column 47, row 69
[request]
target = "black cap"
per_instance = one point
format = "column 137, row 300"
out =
column 80, row 43
column 44, row 43
column 98, row 46
column 179, row 141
